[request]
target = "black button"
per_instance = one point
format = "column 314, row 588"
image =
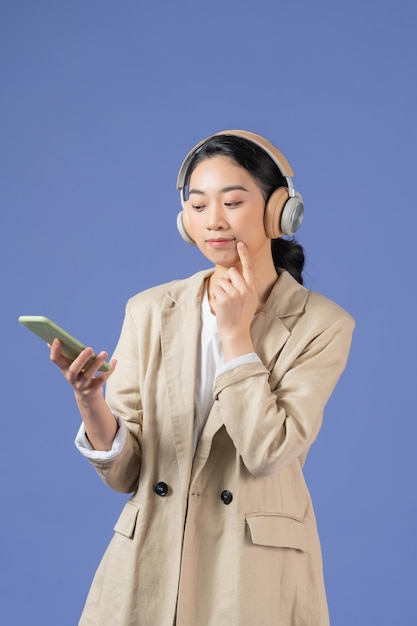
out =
column 226, row 496
column 161, row 489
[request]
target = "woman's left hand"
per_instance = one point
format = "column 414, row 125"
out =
column 236, row 300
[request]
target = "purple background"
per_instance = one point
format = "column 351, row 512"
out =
column 100, row 102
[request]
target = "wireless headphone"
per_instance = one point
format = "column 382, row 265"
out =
column 284, row 210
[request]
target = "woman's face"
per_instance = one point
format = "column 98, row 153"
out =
column 225, row 206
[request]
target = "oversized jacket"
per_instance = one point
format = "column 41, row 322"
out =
column 227, row 536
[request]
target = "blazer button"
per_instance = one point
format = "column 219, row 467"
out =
column 226, row 496
column 161, row 489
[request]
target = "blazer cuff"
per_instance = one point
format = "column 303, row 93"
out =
column 238, row 374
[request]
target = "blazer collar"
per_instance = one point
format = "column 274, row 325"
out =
column 188, row 292
column 286, row 299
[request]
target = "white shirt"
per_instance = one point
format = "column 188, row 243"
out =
column 210, row 364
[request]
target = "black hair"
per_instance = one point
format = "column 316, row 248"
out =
column 287, row 254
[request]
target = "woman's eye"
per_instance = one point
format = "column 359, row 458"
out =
column 198, row 207
column 233, row 204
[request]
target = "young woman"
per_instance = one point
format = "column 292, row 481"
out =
column 217, row 396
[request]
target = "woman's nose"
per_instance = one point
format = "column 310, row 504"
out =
column 215, row 217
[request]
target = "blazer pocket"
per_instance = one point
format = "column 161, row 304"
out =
column 126, row 523
column 277, row 530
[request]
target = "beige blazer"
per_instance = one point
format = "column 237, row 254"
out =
column 227, row 537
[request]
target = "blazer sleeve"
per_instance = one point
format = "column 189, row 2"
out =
column 271, row 427
column 121, row 472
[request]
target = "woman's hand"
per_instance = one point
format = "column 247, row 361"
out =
column 83, row 379
column 100, row 424
column 236, row 300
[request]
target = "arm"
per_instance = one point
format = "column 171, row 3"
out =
column 270, row 427
column 273, row 417
column 119, row 470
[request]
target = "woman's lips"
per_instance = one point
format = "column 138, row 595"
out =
column 219, row 242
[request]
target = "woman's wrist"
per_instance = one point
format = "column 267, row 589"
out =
column 236, row 345
column 99, row 422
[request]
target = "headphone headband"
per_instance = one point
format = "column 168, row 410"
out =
column 277, row 157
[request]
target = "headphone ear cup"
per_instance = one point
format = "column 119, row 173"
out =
column 182, row 231
column 292, row 215
column 273, row 212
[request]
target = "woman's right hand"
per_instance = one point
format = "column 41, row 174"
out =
column 85, row 381
column 100, row 423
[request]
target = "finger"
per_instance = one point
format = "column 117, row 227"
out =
column 247, row 268
column 90, row 380
column 56, row 356
column 102, row 377
column 227, row 283
column 79, row 364
column 93, row 368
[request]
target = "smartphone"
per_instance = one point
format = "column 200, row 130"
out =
column 47, row 330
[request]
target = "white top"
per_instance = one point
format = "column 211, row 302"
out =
column 211, row 365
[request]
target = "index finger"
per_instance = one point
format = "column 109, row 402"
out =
column 247, row 268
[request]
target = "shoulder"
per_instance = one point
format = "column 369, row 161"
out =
column 309, row 311
column 328, row 311
column 315, row 324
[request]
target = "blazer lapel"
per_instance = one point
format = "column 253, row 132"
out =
column 180, row 334
column 272, row 326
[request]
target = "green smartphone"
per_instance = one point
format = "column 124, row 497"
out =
column 48, row 330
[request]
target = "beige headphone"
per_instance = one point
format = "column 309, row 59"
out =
column 284, row 211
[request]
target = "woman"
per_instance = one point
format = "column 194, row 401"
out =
column 217, row 396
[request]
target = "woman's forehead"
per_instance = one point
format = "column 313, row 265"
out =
column 221, row 173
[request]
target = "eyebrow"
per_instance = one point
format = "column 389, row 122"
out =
column 224, row 190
